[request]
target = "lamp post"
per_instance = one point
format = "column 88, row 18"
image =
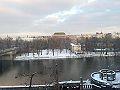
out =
column 31, row 77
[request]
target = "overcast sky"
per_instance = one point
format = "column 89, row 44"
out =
column 69, row 16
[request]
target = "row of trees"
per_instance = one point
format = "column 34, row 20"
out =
column 36, row 45
column 51, row 43
column 107, row 41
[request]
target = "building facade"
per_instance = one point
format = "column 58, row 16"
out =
column 76, row 48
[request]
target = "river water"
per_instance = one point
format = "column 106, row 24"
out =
column 18, row 72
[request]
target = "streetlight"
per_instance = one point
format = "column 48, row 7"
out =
column 31, row 77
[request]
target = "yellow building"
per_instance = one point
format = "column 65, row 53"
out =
column 75, row 48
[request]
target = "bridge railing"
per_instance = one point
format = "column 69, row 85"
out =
column 7, row 51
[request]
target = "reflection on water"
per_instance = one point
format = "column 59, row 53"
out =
column 11, row 71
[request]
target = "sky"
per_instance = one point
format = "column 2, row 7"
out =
column 69, row 16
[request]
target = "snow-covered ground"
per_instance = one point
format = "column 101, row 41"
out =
column 44, row 55
column 58, row 55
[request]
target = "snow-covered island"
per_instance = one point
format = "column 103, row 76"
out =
column 60, row 55
column 45, row 55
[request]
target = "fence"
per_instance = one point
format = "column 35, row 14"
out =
column 62, row 87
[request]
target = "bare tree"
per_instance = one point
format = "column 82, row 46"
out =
column 27, row 45
column 8, row 40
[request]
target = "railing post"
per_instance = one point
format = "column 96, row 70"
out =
column 81, row 83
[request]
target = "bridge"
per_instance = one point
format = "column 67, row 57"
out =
column 10, row 51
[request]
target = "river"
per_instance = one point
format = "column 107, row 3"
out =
column 17, row 72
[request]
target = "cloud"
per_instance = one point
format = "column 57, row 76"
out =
column 111, row 29
column 91, row 1
column 23, row 2
column 6, row 10
column 12, row 11
column 61, row 16
column 79, row 19
column 75, row 16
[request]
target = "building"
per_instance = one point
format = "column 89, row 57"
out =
column 59, row 35
column 75, row 48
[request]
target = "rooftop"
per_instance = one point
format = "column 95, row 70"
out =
column 59, row 33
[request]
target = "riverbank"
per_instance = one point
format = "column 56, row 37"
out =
column 47, row 55
column 61, row 55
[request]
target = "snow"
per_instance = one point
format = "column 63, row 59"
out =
column 23, row 86
column 57, row 55
column 71, row 81
column 115, row 83
column 74, row 45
